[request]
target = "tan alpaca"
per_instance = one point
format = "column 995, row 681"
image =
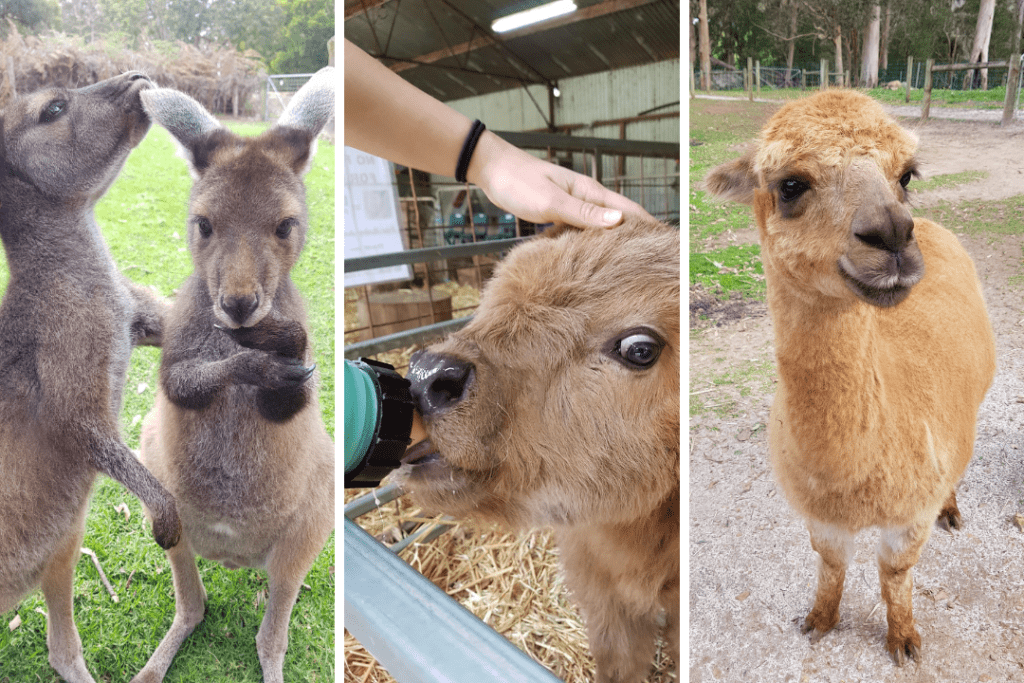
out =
column 558, row 405
column 884, row 347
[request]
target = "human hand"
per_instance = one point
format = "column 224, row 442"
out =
column 541, row 192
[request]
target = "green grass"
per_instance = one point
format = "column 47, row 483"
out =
column 716, row 136
column 947, row 180
column 965, row 99
column 140, row 216
column 721, row 393
column 736, row 268
column 1002, row 217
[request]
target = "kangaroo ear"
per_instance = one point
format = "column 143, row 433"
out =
column 196, row 131
column 309, row 111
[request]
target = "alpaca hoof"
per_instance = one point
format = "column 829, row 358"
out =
column 902, row 649
column 949, row 519
column 818, row 625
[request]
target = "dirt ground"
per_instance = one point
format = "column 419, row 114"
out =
column 752, row 571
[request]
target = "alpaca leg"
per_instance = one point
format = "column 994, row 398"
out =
column 949, row 516
column 898, row 552
column 62, row 638
column 189, row 610
column 834, row 547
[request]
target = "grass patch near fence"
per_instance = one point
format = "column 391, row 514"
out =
column 1001, row 217
column 941, row 97
column 143, row 221
column 947, row 180
column 720, row 131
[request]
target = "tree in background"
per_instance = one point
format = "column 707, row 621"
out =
column 30, row 14
column 309, row 25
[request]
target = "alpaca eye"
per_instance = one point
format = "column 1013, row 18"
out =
column 637, row 349
column 204, row 226
column 52, row 111
column 285, row 227
column 791, row 189
column 905, row 180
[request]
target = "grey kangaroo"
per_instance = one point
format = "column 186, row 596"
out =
column 236, row 432
column 68, row 323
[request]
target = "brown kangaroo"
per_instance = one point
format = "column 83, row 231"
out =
column 558, row 405
column 236, row 431
column 68, row 323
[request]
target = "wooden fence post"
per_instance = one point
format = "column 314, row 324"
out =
column 824, row 74
column 910, row 74
column 1012, row 90
column 757, row 76
column 750, row 78
column 926, row 102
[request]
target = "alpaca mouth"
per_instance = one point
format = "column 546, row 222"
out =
column 882, row 289
column 422, row 453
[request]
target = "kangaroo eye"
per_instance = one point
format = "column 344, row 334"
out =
column 285, row 227
column 52, row 111
column 204, row 226
column 637, row 349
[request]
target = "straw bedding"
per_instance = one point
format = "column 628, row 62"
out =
column 511, row 581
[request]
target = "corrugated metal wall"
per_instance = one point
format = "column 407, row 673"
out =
column 617, row 94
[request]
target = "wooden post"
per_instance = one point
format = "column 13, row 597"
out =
column 693, row 84
column 824, row 75
column 803, row 79
column 910, row 74
column 757, row 76
column 926, row 102
column 750, row 78
column 1012, row 89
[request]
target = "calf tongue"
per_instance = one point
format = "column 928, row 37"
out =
column 422, row 451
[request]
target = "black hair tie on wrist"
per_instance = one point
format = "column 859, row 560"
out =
column 475, row 131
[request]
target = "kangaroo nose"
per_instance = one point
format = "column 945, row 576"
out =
column 239, row 308
column 439, row 382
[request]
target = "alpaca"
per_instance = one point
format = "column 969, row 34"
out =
column 884, row 346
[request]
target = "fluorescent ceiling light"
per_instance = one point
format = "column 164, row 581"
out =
column 532, row 16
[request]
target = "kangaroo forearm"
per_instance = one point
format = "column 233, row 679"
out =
column 149, row 313
column 194, row 384
column 110, row 456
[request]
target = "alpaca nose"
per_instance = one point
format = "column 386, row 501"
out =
column 439, row 382
column 239, row 308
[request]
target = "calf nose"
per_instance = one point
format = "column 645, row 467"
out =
column 239, row 308
column 439, row 382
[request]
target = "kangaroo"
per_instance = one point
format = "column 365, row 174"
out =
column 236, row 431
column 68, row 322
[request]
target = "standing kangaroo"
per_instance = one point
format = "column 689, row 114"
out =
column 236, row 431
column 68, row 323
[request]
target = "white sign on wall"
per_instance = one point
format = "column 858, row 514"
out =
column 371, row 217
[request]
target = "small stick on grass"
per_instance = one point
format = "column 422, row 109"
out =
column 103, row 577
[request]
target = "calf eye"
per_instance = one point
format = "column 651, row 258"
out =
column 52, row 111
column 637, row 349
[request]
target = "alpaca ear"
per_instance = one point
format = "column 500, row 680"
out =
column 195, row 130
column 735, row 180
column 306, row 115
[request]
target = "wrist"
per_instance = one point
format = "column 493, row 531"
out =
column 488, row 147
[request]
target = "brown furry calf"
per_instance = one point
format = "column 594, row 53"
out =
column 236, row 432
column 558, row 405
column 68, row 322
column 884, row 347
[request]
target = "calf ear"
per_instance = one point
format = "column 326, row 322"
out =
column 735, row 180
column 306, row 115
column 195, row 130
